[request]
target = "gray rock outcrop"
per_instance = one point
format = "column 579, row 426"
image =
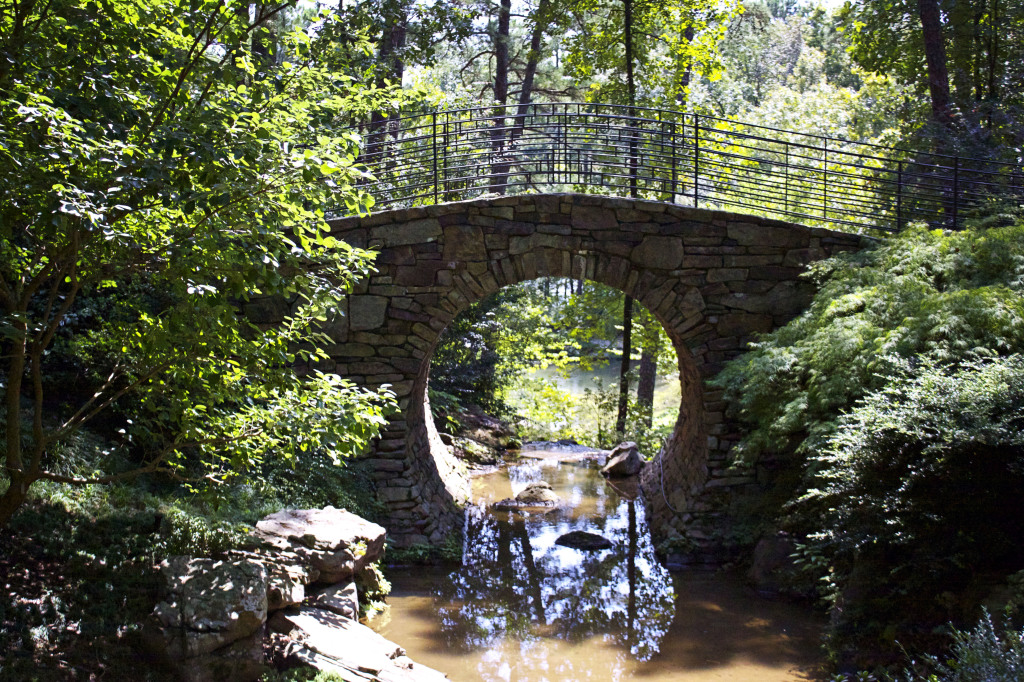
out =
column 336, row 543
column 209, row 626
column 329, row 642
column 624, row 460
column 533, row 496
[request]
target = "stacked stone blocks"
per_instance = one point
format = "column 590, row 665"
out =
column 713, row 279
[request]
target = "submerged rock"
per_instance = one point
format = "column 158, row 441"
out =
column 580, row 539
column 537, row 494
column 624, row 460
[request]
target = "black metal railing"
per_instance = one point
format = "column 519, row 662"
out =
column 672, row 156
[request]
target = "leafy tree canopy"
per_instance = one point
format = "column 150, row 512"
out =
column 187, row 151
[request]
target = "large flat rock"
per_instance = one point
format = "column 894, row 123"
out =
column 335, row 542
column 333, row 643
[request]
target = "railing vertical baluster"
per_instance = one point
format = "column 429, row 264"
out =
column 785, row 204
column 899, row 196
column 433, row 138
column 600, row 136
column 956, row 189
column 444, row 151
column 824, row 183
column 672, row 142
column 696, row 159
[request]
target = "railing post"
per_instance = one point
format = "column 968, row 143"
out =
column 633, row 144
column 675, row 182
column 899, row 196
column 956, row 189
column 785, row 204
column 444, row 151
column 824, row 183
column 696, row 159
column 433, row 138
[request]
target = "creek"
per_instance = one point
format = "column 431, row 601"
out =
column 523, row 608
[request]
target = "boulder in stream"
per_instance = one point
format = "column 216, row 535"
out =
column 336, row 543
column 535, row 495
column 580, row 539
column 624, row 460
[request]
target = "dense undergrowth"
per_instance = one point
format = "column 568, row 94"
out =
column 78, row 562
column 900, row 395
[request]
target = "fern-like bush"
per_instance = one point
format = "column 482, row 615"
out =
column 985, row 653
column 954, row 297
column 914, row 496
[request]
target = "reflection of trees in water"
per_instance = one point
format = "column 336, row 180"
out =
column 517, row 584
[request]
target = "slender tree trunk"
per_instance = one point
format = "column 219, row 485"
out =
column 993, row 53
column 684, row 80
column 935, row 56
column 648, row 371
column 533, row 58
column 627, row 350
column 542, row 19
column 499, row 168
column 627, row 306
column 14, row 464
column 963, row 40
column 389, row 57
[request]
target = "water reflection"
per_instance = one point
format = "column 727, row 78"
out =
column 516, row 582
column 523, row 608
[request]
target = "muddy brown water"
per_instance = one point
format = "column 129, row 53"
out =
column 524, row 609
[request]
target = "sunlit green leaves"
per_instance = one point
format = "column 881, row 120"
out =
column 161, row 174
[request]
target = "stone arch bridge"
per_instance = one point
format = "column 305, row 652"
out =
column 713, row 279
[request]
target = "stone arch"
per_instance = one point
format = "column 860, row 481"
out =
column 712, row 279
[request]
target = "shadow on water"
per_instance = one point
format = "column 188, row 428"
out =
column 522, row 607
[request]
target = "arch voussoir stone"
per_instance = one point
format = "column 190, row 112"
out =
column 713, row 279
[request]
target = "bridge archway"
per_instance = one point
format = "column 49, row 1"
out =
column 713, row 280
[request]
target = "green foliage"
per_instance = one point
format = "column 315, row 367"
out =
column 986, row 652
column 914, row 495
column 951, row 296
column 671, row 40
column 933, row 451
column 185, row 151
column 195, row 535
column 448, row 552
column 373, row 590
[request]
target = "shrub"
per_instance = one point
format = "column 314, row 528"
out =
column 916, row 493
column 955, row 297
column 984, row 653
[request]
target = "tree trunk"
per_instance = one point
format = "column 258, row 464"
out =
column 648, row 372
column 499, row 167
column 935, row 56
column 627, row 350
column 684, row 80
column 14, row 464
column 389, row 56
column 533, row 58
column 631, row 94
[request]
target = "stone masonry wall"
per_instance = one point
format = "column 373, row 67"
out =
column 713, row 279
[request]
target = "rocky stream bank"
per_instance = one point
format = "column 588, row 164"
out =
column 296, row 596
